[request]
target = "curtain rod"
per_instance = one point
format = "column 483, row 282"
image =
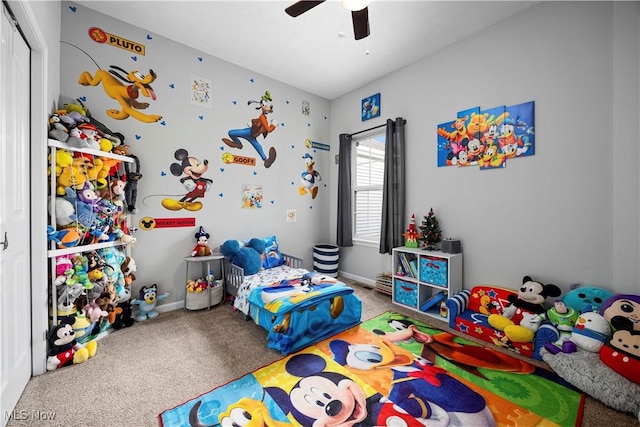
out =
column 367, row 130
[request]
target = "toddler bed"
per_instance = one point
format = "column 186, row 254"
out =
column 296, row 307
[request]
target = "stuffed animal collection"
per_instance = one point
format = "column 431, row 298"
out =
column 91, row 285
column 89, row 201
column 608, row 324
column 90, row 189
column 589, row 330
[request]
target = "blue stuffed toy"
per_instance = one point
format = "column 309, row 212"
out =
column 586, row 298
column 147, row 303
column 248, row 257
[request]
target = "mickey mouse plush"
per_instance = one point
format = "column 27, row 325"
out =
column 63, row 347
column 622, row 352
column 202, row 246
column 520, row 320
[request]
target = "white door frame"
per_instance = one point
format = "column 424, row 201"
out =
column 40, row 110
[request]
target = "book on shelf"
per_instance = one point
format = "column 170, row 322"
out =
column 406, row 265
column 414, row 267
column 433, row 301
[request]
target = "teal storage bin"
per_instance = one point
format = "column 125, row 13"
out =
column 406, row 293
column 434, row 270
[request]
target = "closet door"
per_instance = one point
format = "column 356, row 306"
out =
column 15, row 277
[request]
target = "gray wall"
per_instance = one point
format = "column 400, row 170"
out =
column 568, row 214
column 159, row 253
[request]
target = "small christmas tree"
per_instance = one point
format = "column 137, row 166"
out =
column 431, row 234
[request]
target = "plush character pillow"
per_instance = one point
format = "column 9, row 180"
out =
column 622, row 311
column 586, row 298
column 248, row 257
column 622, row 352
column 273, row 257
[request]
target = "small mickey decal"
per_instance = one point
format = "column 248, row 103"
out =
column 147, row 223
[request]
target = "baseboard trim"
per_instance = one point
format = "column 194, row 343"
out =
column 170, row 307
column 363, row 280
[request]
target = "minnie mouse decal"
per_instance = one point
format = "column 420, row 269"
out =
column 193, row 182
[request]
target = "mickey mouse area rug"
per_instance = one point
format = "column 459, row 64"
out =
column 391, row 370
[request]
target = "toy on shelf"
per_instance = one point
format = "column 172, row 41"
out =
column 147, row 303
column 131, row 189
column 128, row 268
column 202, row 245
column 412, row 235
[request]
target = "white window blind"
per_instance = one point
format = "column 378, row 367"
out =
column 367, row 189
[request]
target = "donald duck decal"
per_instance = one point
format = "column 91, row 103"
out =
column 309, row 177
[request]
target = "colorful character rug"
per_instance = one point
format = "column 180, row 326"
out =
column 391, row 370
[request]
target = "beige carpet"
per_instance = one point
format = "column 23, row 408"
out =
column 152, row 366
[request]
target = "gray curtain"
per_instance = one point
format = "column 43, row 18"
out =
column 393, row 193
column 345, row 218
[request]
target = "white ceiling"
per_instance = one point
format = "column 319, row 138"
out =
column 315, row 52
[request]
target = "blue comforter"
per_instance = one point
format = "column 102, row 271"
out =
column 302, row 311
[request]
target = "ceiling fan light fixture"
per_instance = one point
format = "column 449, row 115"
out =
column 355, row 5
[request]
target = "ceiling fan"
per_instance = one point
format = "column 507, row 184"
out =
column 359, row 13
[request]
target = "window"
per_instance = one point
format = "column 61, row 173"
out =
column 367, row 188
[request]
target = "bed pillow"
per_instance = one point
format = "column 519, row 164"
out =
column 273, row 257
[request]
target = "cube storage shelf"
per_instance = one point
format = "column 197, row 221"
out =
column 423, row 279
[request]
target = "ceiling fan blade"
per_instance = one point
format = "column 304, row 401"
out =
column 360, row 23
column 301, row 7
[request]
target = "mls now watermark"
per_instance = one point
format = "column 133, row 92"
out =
column 34, row 415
